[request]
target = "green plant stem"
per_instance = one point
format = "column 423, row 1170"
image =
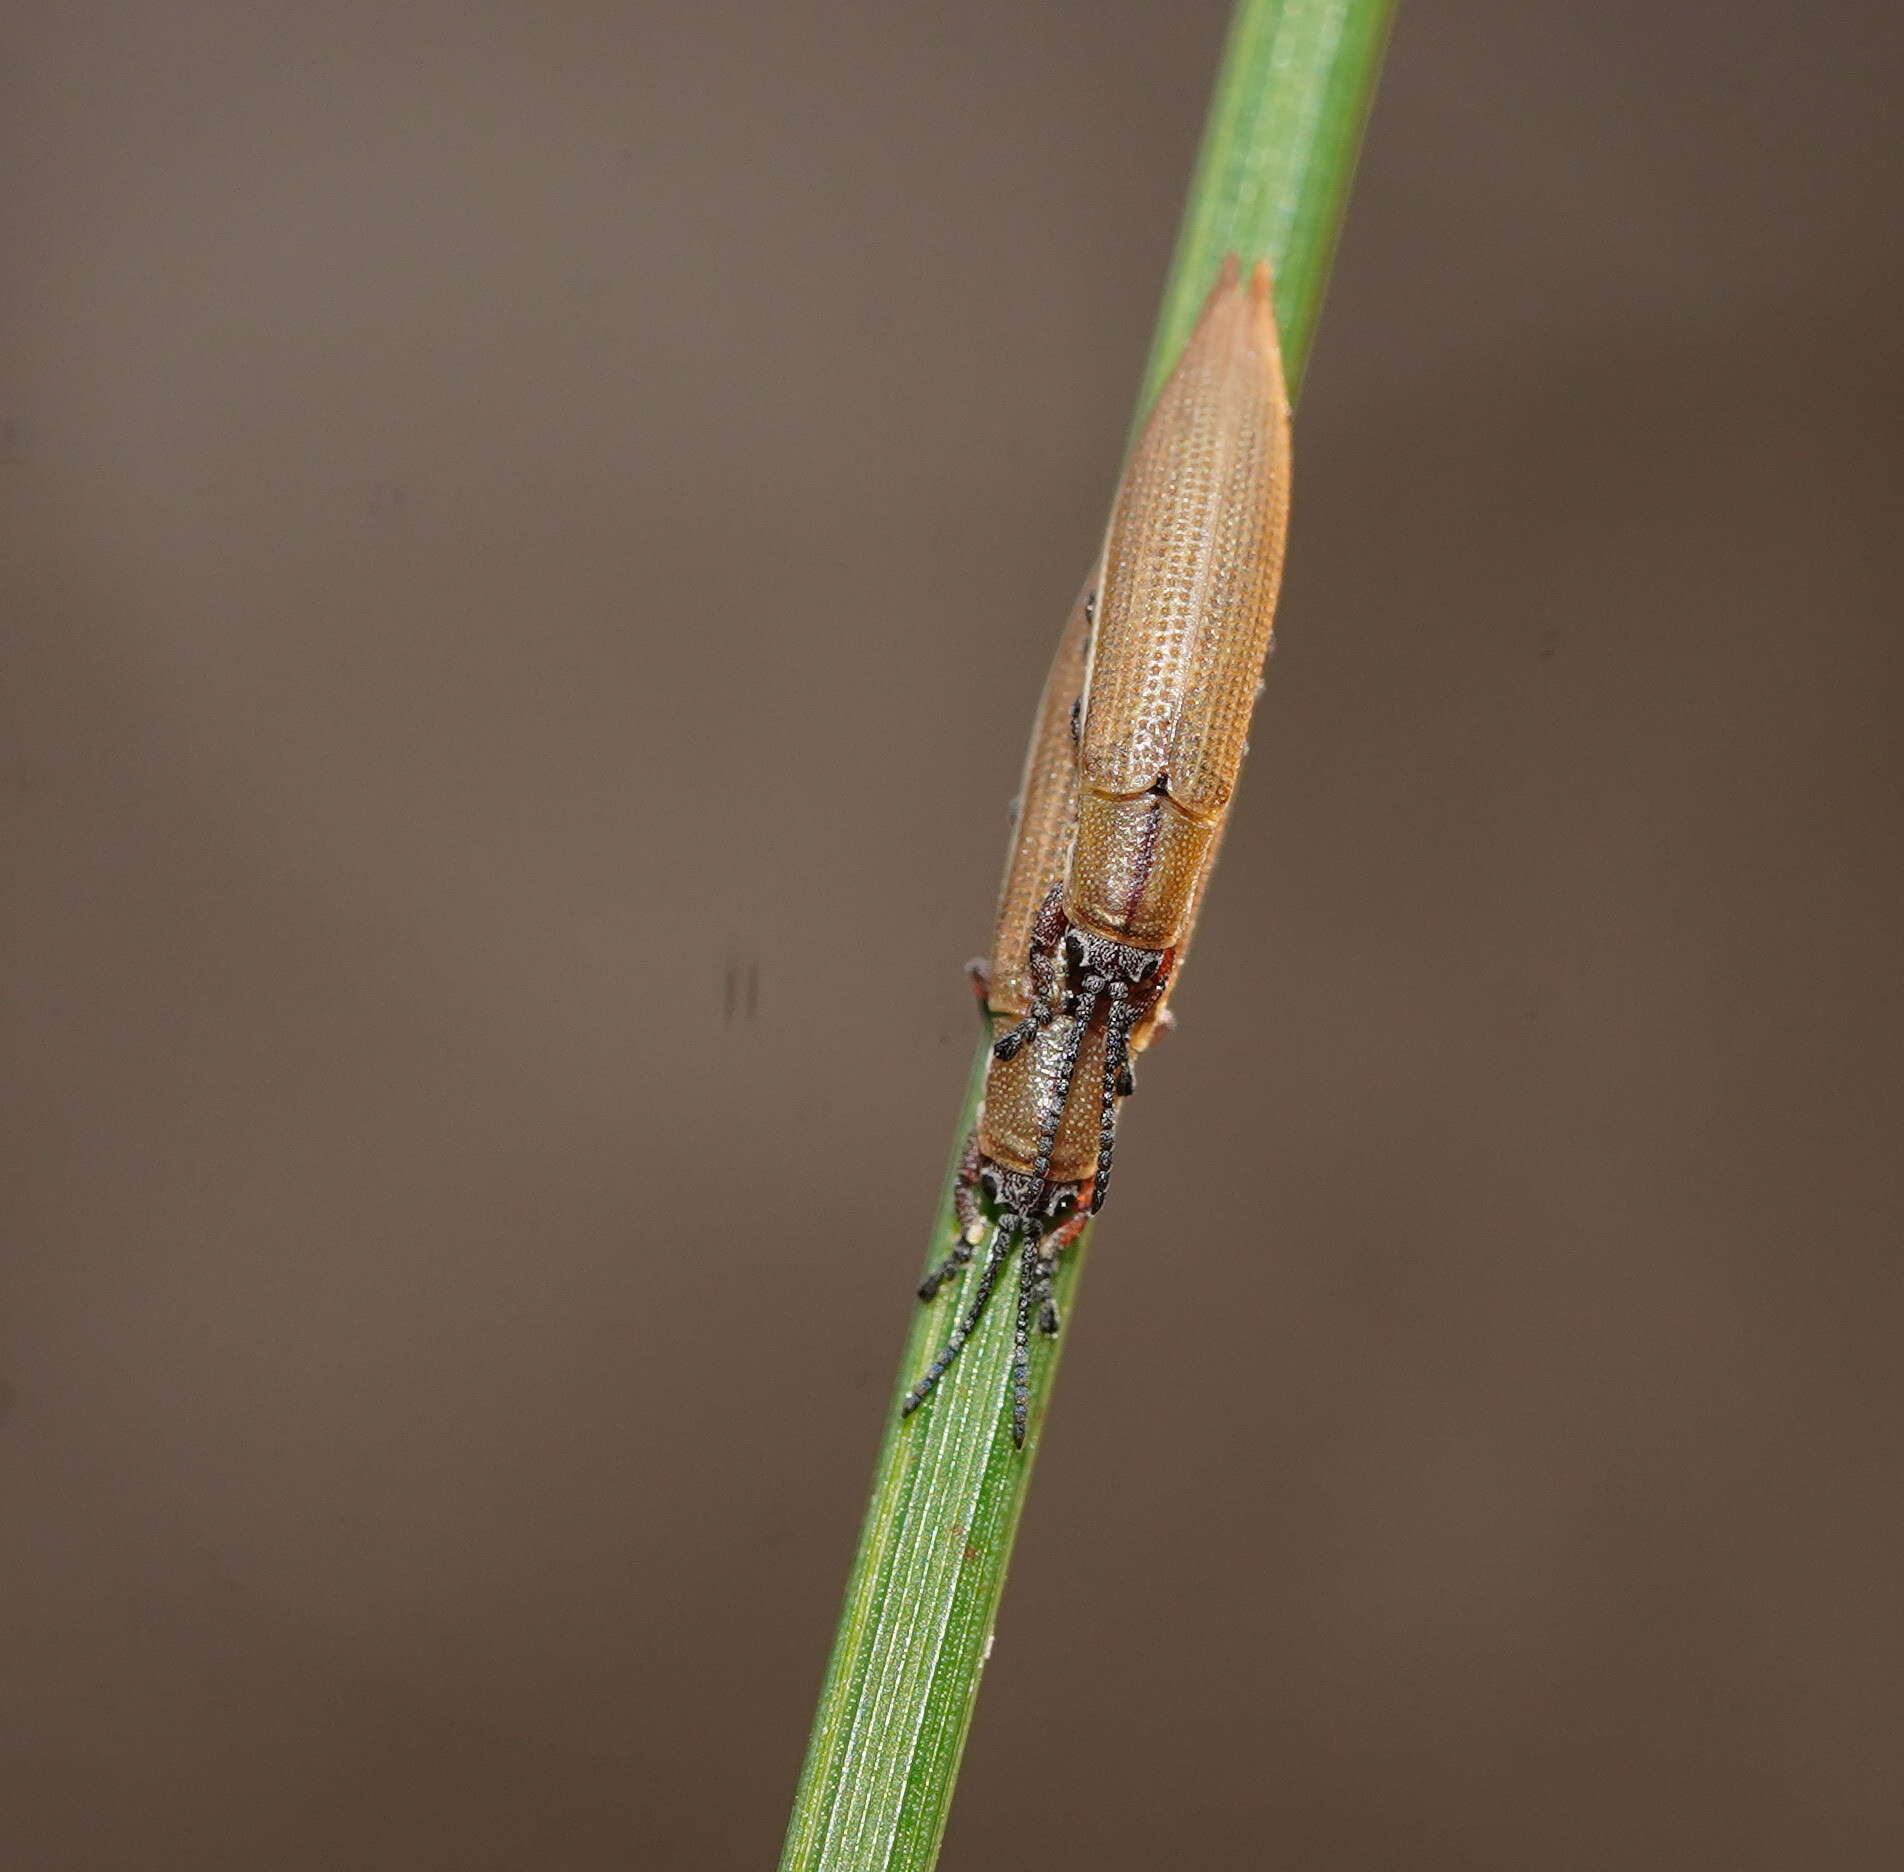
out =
column 1271, row 180
column 1273, row 174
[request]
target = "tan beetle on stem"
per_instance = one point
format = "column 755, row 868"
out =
column 1134, row 759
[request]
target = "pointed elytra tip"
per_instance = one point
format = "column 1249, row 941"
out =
column 1262, row 278
column 1258, row 294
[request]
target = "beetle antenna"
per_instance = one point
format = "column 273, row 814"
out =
column 1117, row 1027
column 1060, row 1096
column 1030, row 1290
column 1008, row 1226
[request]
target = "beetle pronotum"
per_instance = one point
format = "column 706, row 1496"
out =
column 1134, row 758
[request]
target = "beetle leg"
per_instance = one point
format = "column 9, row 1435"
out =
column 965, row 1193
column 1024, row 1219
column 959, row 1257
column 1154, row 1016
column 970, row 1223
column 1050, row 1249
column 1047, row 934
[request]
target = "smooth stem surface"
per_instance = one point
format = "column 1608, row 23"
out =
column 917, row 1624
column 1274, row 171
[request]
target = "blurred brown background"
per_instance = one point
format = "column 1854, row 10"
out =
column 520, row 522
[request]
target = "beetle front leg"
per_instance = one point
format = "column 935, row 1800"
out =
column 1037, row 1268
column 968, row 1217
column 1047, row 937
column 1050, row 1248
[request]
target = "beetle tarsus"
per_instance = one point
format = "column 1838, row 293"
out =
column 1026, row 1204
column 968, row 1219
column 1041, row 1298
column 965, row 1209
column 960, row 1257
column 1007, row 1044
column 1049, row 1252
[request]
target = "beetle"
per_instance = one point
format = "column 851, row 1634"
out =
column 1135, row 753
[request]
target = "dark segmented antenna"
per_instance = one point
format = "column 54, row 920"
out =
column 1008, row 1227
column 1085, row 1005
column 1030, row 1264
column 1117, row 1027
column 1025, row 1219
